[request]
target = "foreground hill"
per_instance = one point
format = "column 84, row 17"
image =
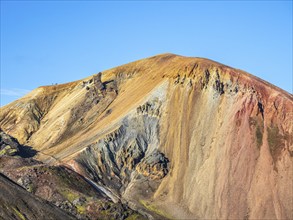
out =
column 54, row 192
column 16, row 203
column 171, row 136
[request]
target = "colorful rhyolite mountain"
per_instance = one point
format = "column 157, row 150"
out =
column 167, row 136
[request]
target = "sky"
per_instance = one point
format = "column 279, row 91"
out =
column 46, row 42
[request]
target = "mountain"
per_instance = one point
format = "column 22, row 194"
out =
column 169, row 137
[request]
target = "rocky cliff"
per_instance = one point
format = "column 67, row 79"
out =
column 169, row 136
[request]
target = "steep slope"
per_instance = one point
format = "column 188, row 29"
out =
column 24, row 205
column 174, row 136
column 57, row 185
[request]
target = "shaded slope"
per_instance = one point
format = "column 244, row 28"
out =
column 24, row 205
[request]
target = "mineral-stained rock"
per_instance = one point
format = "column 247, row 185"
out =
column 154, row 166
column 171, row 136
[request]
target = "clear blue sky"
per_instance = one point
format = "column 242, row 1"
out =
column 61, row 41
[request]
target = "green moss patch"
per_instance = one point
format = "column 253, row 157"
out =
column 275, row 140
column 134, row 217
column 81, row 209
column 259, row 135
column 69, row 195
column 8, row 151
column 153, row 208
column 256, row 123
column 18, row 214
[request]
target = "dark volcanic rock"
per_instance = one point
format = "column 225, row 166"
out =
column 16, row 203
column 8, row 144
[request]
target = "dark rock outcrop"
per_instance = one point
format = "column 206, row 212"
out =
column 8, row 145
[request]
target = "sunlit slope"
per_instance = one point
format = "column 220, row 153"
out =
column 211, row 141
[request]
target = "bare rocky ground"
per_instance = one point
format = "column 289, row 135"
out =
column 17, row 203
column 31, row 189
column 172, row 137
